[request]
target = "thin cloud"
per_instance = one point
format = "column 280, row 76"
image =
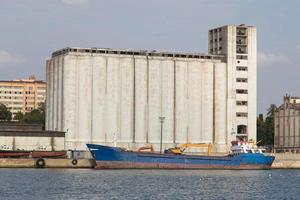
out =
column 298, row 47
column 9, row 58
column 268, row 59
column 76, row 2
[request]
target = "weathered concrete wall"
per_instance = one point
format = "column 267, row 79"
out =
column 108, row 94
column 287, row 124
column 49, row 163
column 286, row 161
column 225, row 41
column 32, row 140
column 33, row 143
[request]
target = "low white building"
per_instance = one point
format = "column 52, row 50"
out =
column 100, row 95
column 15, row 136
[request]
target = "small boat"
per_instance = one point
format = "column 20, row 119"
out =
column 14, row 154
column 244, row 155
column 8, row 152
column 48, row 154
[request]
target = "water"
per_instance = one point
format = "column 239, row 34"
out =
column 148, row 184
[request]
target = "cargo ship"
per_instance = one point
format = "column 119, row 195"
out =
column 244, row 155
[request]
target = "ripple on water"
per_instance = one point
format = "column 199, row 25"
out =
column 148, row 184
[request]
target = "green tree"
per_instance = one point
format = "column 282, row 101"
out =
column 5, row 114
column 265, row 127
column 19, row 116
column 269, row 125
column 261, row 132
column 36, row 116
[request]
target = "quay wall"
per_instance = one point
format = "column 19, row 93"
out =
column 282, row 161
column 49, row 163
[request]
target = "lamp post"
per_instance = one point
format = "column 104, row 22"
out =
column 161, row 132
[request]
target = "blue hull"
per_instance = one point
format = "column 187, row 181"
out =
column 116, row 158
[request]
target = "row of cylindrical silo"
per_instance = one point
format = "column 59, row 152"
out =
column 287, row 126
column 107, row 98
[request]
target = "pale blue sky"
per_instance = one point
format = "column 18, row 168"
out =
column 30, row 30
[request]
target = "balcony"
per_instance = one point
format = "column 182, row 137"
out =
column 241, row 32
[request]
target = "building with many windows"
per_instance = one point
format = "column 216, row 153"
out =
column 238, row 45
column 22, row 95
column 108, row 96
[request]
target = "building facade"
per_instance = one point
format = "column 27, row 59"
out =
column 14, row 136
column 287, row 123
column 238, row 44
column 22, row 95
column 109, row 96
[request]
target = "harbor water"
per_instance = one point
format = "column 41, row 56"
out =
column 148, row 184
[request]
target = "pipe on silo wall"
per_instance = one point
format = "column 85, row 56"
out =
column 286, row 126
column 154, row 101
column 141, row 93
column 70, row 100
column 167, row 101
column 55, row 97
column 113, row 106
column 220, row 106
column 51, row 100
column 195, row 101
column 207, row 102
column 126, row 100
column 47, row 95
column 84, row 100
column 99, row 100
column 297, row 128
column 181, row 99
column 59, row 93
column 291, row 128
column 281, row 127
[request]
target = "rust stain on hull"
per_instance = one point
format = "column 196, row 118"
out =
column 139, row 165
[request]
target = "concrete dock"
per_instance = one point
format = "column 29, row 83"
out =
column 48, row 163
column 286, row 161
column 282, row 161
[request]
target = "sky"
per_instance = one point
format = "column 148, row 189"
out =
column 30, row 30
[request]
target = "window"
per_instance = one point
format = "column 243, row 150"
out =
column 241, row 103
column 241, row 129
column 241, row 80
column 239, row 91
column 242, row 114
column 241, row 57
column 241, row 68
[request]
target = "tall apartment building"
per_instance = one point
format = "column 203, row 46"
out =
column 238, row 44
column 105, row 96
column 22, row 95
